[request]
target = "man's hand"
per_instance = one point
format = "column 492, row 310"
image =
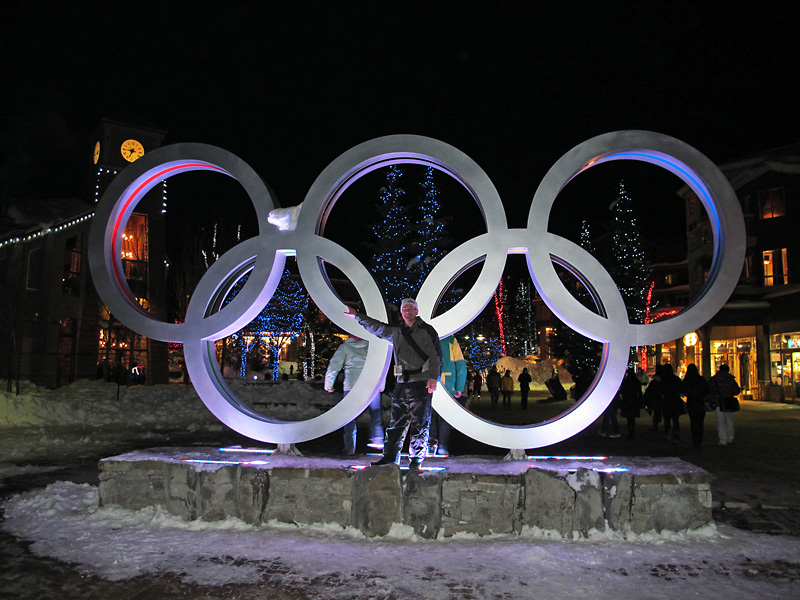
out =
column 431, row 385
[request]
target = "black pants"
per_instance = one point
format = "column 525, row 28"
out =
column 439, row 432
column 697, row 417
column 411, row 413
column 523, row 397
column 672, row 420
column 631, row 422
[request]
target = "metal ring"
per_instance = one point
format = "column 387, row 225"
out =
column 265, row 256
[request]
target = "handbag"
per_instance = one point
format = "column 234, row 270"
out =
column 729, row 404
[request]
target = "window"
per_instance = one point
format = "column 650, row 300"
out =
column 71, row 280
column 771, row 203
column 134, row 254
column 785, row 270
column 776, row 267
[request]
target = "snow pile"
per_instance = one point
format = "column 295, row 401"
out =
column 95, row 404
column 63, row 521
column 540, row 371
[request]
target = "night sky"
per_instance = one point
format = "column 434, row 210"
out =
column 289, row 86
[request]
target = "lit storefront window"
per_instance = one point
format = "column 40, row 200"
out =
column 740, row 355
column 784, row 362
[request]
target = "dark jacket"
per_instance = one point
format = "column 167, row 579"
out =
column 671, row 393
column 630, row 397
column 493, row 380
column 418, row 368
column 524, row 381
column 653, row 397
column 695, row 389
column 723, row 385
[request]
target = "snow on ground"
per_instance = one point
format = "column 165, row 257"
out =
column 100, row 404
column 92, row 417
column 64, row 522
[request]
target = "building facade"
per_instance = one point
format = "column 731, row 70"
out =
column 757, row 332
column 54, row 327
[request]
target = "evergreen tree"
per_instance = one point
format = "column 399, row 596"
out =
column 580, row 354
column 389, row 264
column 522, row 338
column 480, row 351
column 281, row 320
column 429, row 236
column 409, row 239
column 628, row 262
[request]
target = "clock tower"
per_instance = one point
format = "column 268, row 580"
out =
column 120, row 351
column 117, row 144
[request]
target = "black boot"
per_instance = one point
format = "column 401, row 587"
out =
column 382, row 461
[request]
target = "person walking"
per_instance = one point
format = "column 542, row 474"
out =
column 695, row 388
column 673, row 406
column 653, row 400
column 493, row 385
column 349, row 358
column 507, row 386
column 454, row 380
column 630, row 397
column 723, row 390
column 418, row 366
column 524, row 380
column 610, row 417
column 477, row 384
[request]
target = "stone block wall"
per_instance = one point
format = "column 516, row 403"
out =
column 467, row 498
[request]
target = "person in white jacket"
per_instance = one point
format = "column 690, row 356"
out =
column 350, row 357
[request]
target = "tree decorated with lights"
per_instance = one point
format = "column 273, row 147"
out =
column 280, row 322
column 628, row 261
column 430, row 241
column 391, row 234
column 580, row 354
column 500, row 314
column 628, row 265
column 521, row 337
column 480, row 351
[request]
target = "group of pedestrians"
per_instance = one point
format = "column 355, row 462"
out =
column 663, row 399
column 497, row 385
column 422, row 360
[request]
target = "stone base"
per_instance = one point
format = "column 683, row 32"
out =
column 473, row 495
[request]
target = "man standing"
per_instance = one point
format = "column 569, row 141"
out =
column 418, row 364
column 524, row 387
column 454, row 380
column 722, row 387
column 493, row 385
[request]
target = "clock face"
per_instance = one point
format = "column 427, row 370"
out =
column 96, row 155
column 131, row 150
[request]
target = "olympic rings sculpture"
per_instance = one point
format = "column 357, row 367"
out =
column 263, row 256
